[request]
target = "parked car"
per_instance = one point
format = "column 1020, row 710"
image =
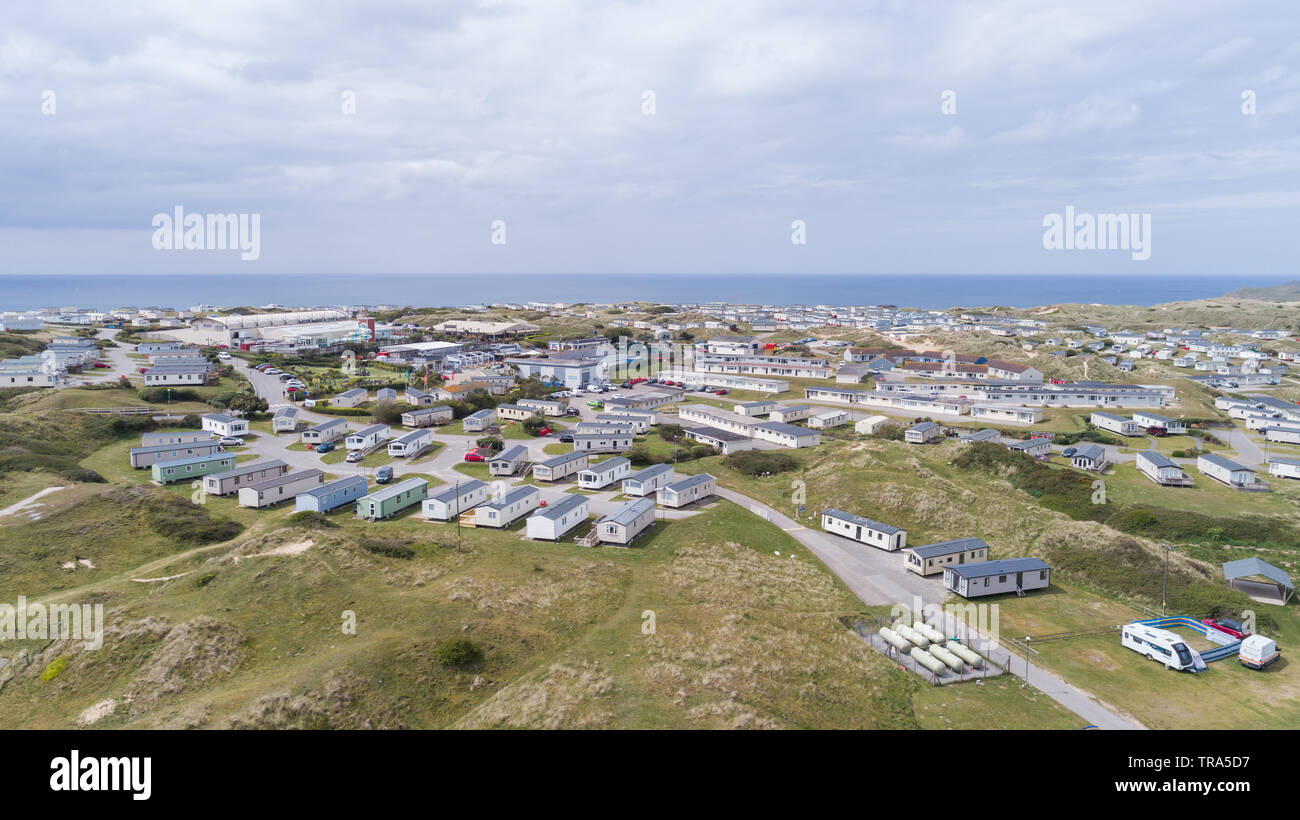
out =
column 1159, row 432
column 354, row 457
column 284, row 377
column 384, row 475
column 231, row 441
column 566, row 438
column 325, row 448
column 1069, row 452
column 102, row 364
column 474, row 457
column 721, row 391
column 223, row 355
column 1228, row 626
column 593, row 388
column 572, row 411
column 596, row 404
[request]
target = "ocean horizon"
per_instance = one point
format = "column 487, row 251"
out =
column 925, row 291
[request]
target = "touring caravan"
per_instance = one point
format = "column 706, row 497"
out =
column 1160, row 645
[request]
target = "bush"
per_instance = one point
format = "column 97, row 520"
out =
column 458, row 652
column 671, row 432
column 389, row 547
column 387, row 412
column 760, row 462
column 55, row 669
column 190, row 524
column 310, row 519
column 158, row 395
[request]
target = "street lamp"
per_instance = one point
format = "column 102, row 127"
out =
column 1164, row 592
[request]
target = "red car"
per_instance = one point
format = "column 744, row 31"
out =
column 103, row 364
column 473, row 457
column 1233, row 628
column 720, row 392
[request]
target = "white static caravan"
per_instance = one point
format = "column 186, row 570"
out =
column 326, row 431
column 827, row 419
column 1161, row 469
column 687, row 490
column 350, row 398
column 243, row 476
column 427, row 416
column 724, row 441
column 603, row 473
column 871, row 425
column 558, row 467
column 864, row 530
column 507, row 510
column 640, row 423
column 981, row 578
column 648, row 481
column 222, row 425
column 754, row 408
column 1282, row 435
column 928, row 559
column 1171, row 426
column 551, row 523
column 480, row 421
column 1116, row 424
column 1007, row 412
column 787, row 435
column 515, row 412
column 368, row 437
column 280, row 488
column 921, row 433
column 1221, row 469
column 285, row 420
column 792, row 413
column 508, row 461
column 449, row 502
column 602, row 442
column 620, row 528
column 330, row 496
column 545, row 406
column 1284, row 467
column 409, row 444
column 1161, row 645
column 1031, row 447
column 187, row 437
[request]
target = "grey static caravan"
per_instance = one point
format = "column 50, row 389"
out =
column 418, row 397
column 827, row 419
column 921, row 433
column 243, row 476
column 1031, row 446
column 602, row 443
column 639, row 423
column 326, row 431
column 545, row 406
column 1225, row 470
column 409, row 444
column 864, row 530
column 755, row 408
column 787, row 435
column 449, row 502
column 508, row 461
column 724, row 441
column 368, row 437
column 280, row 488
column 186, row 437
column 503, row 512
column 649, row 480
column 637, row 417
column 1283, row 435
column 601, row 474
column 612, row 428
column 687, row 490
column 331, row 496
column 350, row 398
column 222, row 425
column 1007, row 413
column 1116, row 424
column 551, row 523
column 1162, row 469
column 1284, row 467
column 1171, row 426
column 148, row 456
column 1018, row 575
column 285, row 420
column 620, row 528
column 792, row 413
column 558, row 467
column 987, row 434
column 1090, row 457
column 928, row 559
column 480, row 421
column 427, row 416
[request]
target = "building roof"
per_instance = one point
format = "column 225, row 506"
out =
column 356, row 391
column 860, row 521
column 512, row 453
column 941, row 548
column 716, row 434
column 1026, row 444
column 923, row 427
column 192, row 460
column 983, row 569
column 286, row 412
column 220, row 418
column 650, row 472
column 556, row 461
column 450, row 492
column 751, row 404
column 793, row 408
column 1280, row 460
column 1246, row 567
column 328, row 423
column 607, row 465
column 1111, row 416
column 786, row 428
column 367, row 431
column 482, row 414
column 1158, row 460
column 987, row 434
column 688, row 482
column 397, row 489
column 629, row 512
column 1092, row 452
column 424, row 411
column 253, row 467
column 570, row 502
column 286, row 478
column 517, row 494
column 414, row 435
column 596, row 436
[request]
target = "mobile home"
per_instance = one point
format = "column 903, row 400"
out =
column 185, row 437
column 871, row 425
column 515, row 412
column 558, row 467
column 409, row 444
column 223, row 425
column 331, row 496
column 449, row 502
column 1284, row 467
column 1162, row 469
column 368, row 438
column 1116, row 424
column 603, row 473
column 350, row 398
column 480, row 421
column 648, row 481
column 544, row 406
column 620, row 528
column 551, row 523
column 687, row 490
column 504, row 511
column 928, row 559
column 827, row 419
column 1172, row 426
column 864, row 530
column 508, row 461
column 792, row 413
column 243, row 476
column 142, row 457
column 1225, row 470
column 391, row 500
column 165, row 472
column 427, row 416
column 326, row 431
column 602, row 442
column 922, row 433
column 1018, row 575
column 281, row 488
column 285, row 420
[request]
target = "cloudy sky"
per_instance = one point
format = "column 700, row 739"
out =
column 650, row 137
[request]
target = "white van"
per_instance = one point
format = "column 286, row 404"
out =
column 1258, row 652
column 1159, row 645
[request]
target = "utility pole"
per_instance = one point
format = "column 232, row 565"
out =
column 1164, row 592
column 457, row 499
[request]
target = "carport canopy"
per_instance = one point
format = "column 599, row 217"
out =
column 1259, row 568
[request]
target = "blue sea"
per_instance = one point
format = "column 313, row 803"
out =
column 935, row 291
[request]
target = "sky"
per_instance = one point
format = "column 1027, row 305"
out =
column 692, row 137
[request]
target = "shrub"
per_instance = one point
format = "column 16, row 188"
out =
column 458, row 652
column 158, row 395
column 310, row 519
column 671, row 432
column 55, row 669
column 760, row 462
column 190, row 524
column 390, row 547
